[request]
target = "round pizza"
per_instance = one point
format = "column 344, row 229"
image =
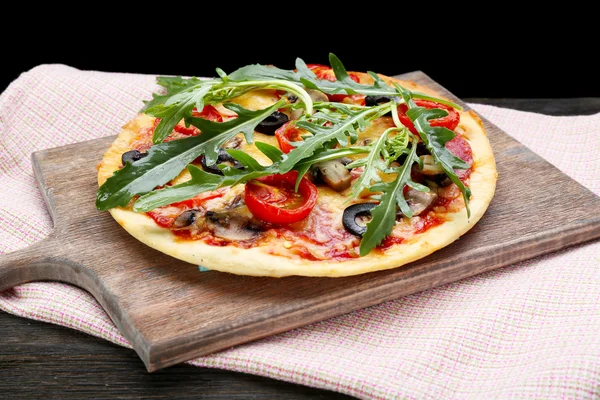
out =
column 315, row 171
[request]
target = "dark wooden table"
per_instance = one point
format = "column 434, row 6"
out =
column 41, row 360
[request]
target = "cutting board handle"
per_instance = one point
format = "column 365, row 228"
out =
column 37, row 262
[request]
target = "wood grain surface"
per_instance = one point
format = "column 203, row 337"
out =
column 40, row 359
column 161, row 315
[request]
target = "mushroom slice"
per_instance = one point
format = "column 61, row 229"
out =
column 185, row 220
column 315, row 95
column 236, row 224
column 420, row 201
column 430, row 167
column 335, row 174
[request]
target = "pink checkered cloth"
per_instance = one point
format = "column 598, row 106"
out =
column 529, row 330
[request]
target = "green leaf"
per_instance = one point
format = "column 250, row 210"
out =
column 245, row 123
column 173, row 85
column 343, row 85
column 373, row 163
column 246, row 160
column 166, row 160
column 175, row 108
column 348, row 122
column 272, row 152
column 201, row 182
column 435, row 139
column 383, row 216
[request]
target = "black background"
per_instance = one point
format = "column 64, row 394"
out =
column 472, row 57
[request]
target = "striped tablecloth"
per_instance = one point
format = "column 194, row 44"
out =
column 529, row 330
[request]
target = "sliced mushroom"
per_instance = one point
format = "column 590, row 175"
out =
column 236, row 224
column 434, row 172
column 430, row 167
column 185, row 219
column 334, row 173
column 420, row 201
column 315, row 95
column 234, row 143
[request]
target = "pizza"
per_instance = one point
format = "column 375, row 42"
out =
column 315, row 171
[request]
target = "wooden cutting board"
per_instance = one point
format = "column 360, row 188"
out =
column 171, row 312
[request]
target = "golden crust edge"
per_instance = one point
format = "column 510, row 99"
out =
column 256, row 262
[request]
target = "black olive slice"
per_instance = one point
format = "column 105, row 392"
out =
column 354, row 211
column 269, row 125
column 224, row 156
column 371, row 101
column 132, row 156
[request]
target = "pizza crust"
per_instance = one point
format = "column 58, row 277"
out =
column 257, row 262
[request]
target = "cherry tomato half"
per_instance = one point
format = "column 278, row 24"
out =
column 325, row 72
column 450, row 121
column 272, row 198
column 208, row 112
column 286, row 134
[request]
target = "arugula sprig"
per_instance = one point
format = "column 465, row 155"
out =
column 166, row 160
column 378, row 159
column 342, row 85
column 183, row 96
column 383, row 216
column 435, row 139
column 202, row 181
column 329, row 127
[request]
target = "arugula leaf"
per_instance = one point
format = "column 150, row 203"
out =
column 343, row 85
column 166, row 160
column 202, row 181
column 435, row 139
column 342, row 124
column 372, row 163
column 173, row 85
column 245, row 123
column 272, row 152
column 175, row 108
column 383, row 216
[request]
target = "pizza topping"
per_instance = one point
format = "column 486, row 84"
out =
column 185, row 219
column 371, row 101
column 430, row 167
column 316, row 96
column 353, row 213
column 435, row 139
column 235, row 224
column 269, row 125
column 223, row 158
column 132, row 156
column 334, row 173
column 272, row 198
column 420, row 201
column 166, row 160
column 286, row 134
column 449, row 121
